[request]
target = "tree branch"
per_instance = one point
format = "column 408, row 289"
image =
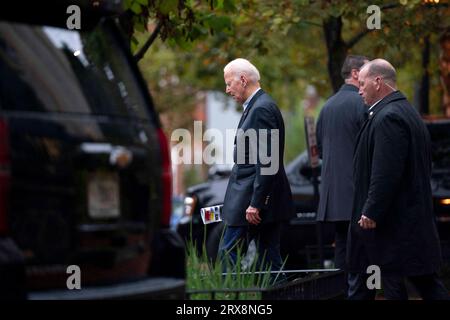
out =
column 358, row 37
column 312, row 23
column 138, row 56
column 389, row 6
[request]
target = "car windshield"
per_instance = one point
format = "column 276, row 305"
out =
column 47, row 69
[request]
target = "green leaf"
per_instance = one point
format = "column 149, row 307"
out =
column 134, row 44
column 139, row 26
column 167, row 6
column 142, row 2
column 133, row 47
column 278, row 20
column 218, row 4
column 268, row 13
column 197, row 32
column 136, row 8
column 189, row 3
column 218, row 23
column 336, row 11
column 229, row 5
column 127, row 4
column 183, row 43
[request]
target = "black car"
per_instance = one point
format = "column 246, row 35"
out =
column 439, row 129
column 85, row 175
column 306, row 243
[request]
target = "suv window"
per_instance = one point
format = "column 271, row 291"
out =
column 95, row 78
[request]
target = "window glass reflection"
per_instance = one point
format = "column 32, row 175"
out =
column 50, row 69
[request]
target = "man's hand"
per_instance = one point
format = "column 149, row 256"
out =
column 252, row 215
column 367, row 223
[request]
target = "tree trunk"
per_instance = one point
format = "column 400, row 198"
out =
column 336, row 49
column 424, row 89
column 444, row 64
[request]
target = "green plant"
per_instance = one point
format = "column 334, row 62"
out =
column 206, row 281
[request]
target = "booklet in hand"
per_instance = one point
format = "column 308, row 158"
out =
column 211, row 214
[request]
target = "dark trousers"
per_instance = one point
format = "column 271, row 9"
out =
column 428, row 286
column 340, row 244
column 267, row 239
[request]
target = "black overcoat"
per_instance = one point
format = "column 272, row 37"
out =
column 392, row 168
column 337, row 129
column 268, row 191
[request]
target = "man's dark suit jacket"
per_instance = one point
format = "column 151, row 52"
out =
column 337, row 128
column 392, row 168
column 247, row 186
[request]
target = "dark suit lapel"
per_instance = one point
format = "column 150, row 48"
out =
column 244, row 115
column 360, row 132
column 247, row 110
column 249, row 106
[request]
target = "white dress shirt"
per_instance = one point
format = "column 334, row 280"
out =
column 250, row 98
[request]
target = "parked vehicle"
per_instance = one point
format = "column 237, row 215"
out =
column 439, row 129
column 85, row 175
column 303, row 241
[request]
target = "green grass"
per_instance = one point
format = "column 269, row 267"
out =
column 206, row 276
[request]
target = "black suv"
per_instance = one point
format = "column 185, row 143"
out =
column 85, row 175
column 306, row 243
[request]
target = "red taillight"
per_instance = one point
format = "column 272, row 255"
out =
column 4, row 175
column 166, row 179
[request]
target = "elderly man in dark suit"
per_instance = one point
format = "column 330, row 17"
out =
column 393, row 225
column 337, row 128
column 258, row 196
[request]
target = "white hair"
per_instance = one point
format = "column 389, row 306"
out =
column 242, row 66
